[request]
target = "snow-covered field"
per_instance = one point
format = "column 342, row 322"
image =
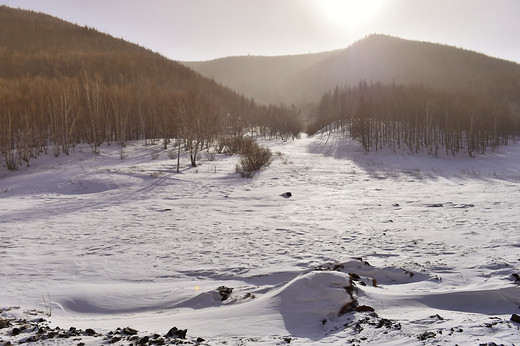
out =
column 432, row 245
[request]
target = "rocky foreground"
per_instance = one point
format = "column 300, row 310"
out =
column 21, row 331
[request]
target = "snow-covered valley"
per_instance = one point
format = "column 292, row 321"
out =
column 430, row 244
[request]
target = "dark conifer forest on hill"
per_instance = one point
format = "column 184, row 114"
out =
column 62, row 84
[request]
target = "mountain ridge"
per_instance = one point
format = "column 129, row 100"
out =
column 375, row 58
column 252, row 67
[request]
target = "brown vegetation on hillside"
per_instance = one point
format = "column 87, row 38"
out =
column 418, row 118
column 61, row 84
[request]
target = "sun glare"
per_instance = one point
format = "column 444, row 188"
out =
column 350, row 13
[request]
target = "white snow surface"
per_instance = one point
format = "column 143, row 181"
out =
column 101, row 242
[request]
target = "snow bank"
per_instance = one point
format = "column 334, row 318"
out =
column 310, row 300
column 431, row 244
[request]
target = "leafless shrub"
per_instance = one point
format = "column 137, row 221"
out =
column 211, row 156
column 253, row 159
column 234, row 144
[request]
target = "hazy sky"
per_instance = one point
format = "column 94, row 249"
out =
column 208, row 29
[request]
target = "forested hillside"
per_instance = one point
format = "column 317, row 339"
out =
column 387, row 91
column 418, row 118
column 61, row 84
column 387, row 60
column 303, row 79
column 395, row 93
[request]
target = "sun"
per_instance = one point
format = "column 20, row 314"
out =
column 349, row 13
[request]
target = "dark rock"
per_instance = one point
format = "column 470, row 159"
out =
column 224, row 292
column 437, row 205
column 286, row 195
column 199, row 339
column 159, row 341
column 334, row 266
column 364, row 308
column 144, row 340
column 63, row 336
column 114, row 340
column 287, row 340
column 52, row 334
column 249, row 295
column 349, row 307
column 516, row 277
column 464, row 206
column 515, row 318
column 33, row 338
column 129, row 331
column 15, row 331
column 354, row 276
column 90, row 332
column 384, row 323
column 3, row 323
column 43, row 329
column 427, row 335
column 177, row 333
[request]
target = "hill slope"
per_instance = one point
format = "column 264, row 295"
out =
column 377, row 58
column 261, row 77
column 38, row 45
column 61, row 84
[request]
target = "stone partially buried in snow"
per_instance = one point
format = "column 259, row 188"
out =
column 177, row 333
column 286, row 195
column 225, row 292
column 3, row 323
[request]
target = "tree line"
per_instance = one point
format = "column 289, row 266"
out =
column 38, row 115
column 418, row 118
